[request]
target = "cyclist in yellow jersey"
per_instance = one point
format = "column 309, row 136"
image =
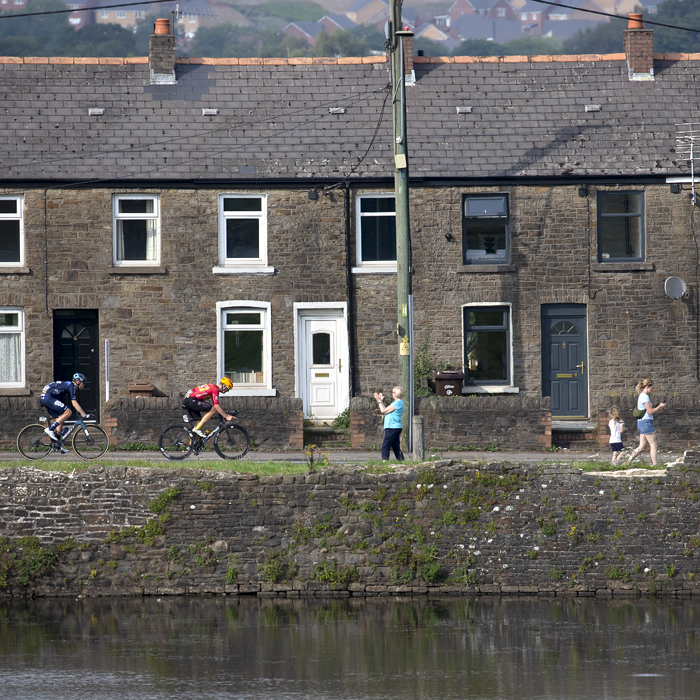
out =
column 195, row 401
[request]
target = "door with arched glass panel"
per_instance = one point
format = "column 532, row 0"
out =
column 75, row 333
column 565, row 360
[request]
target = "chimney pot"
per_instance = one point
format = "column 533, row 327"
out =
column 162, row 26
column 635, row 20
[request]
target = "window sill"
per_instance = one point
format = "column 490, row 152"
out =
column 19, row 270
column 252, row 392
column 145, row 270
column 16, row 391
column 623, row 267
column 486, row 269
column 375, row 270
column 484, row 389
column 243, row 270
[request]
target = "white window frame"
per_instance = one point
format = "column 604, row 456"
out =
column 116, row 217
column 104, row 14
column 264, row 307
column 363, row 266
column 19, row 329
column 243, row 266
column 491, row 388
column 121, row 14
column 19, row 216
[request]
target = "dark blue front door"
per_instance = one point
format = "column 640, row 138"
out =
column 564, row 360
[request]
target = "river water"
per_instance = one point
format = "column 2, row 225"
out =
column 224, row 647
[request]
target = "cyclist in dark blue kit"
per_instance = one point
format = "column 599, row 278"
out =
column 58, row 398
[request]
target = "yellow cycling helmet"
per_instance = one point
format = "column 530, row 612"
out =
column 226, row 382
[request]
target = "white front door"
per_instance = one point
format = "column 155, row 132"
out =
column 323, row 365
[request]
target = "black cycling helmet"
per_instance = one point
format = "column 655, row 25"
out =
column 79, row 377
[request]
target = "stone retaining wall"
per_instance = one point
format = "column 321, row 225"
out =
column 441, row 528
column 504, row 422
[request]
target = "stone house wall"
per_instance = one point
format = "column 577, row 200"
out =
column 442, row 528
column 162, row 325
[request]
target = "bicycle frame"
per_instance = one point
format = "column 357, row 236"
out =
column 79, row 423
column 200, row 441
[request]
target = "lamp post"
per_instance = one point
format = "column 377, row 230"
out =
column 403, row 262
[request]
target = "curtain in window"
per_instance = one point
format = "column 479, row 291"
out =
column 10, row 358
column 137, row 240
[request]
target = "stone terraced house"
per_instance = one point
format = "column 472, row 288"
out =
column 172, row 220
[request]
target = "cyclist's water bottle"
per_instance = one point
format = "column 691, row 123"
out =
column 64, row 431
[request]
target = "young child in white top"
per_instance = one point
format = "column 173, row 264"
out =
column 617, row 427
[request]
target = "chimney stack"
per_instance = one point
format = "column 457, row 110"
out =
column 405, row 36
column 161, row 54
column 639, row 47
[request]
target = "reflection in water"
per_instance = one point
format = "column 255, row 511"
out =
column 210, row 648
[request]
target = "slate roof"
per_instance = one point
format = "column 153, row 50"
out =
column 528, row 119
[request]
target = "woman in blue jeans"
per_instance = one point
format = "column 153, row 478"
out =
column 645, row 424
column 392, row 423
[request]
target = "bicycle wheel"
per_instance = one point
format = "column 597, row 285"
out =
column 90, row 443
column 232, row 442
column 33, row 442
column 175, row 442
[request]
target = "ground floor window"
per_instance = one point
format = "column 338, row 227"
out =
column 11, row 347
column 487, row 345
column 245, row 344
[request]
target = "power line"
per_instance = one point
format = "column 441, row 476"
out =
column 609, row 14
column 82, row 9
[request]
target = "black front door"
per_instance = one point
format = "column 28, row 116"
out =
column 75, row 343
column 564, row 358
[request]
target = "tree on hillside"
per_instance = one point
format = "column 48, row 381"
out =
column 605, row 38
column 478, row 47
column 681, row 13
column 96, row 40
column 33, row 36
column 225, row 41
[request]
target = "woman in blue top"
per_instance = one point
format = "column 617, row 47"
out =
column 392, row 423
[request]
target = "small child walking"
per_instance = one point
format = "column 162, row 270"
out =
column 617, row 427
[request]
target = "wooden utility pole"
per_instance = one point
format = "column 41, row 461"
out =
column 403, row 263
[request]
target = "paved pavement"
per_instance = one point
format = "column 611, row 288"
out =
column 359, row 457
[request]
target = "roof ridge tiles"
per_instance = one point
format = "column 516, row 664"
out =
column 349, row 60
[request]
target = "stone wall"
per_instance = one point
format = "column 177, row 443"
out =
column 162, row 323
column 478, row 422
column 272, row 423
column 677, row 426
column 441, row 528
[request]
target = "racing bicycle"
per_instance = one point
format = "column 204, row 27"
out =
column 88, row 441
column 231, row 441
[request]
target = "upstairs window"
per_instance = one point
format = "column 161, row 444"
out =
column 11, row 232
column 136, row 230
column 487, row 345
column 485, row 229
column 620, row 226
column 376, row 231
column 243, row 231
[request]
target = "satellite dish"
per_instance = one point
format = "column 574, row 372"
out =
column 674, row 287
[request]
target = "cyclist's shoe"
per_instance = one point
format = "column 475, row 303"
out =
column 64, row 450
column 51, row 434
column 201, row 433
